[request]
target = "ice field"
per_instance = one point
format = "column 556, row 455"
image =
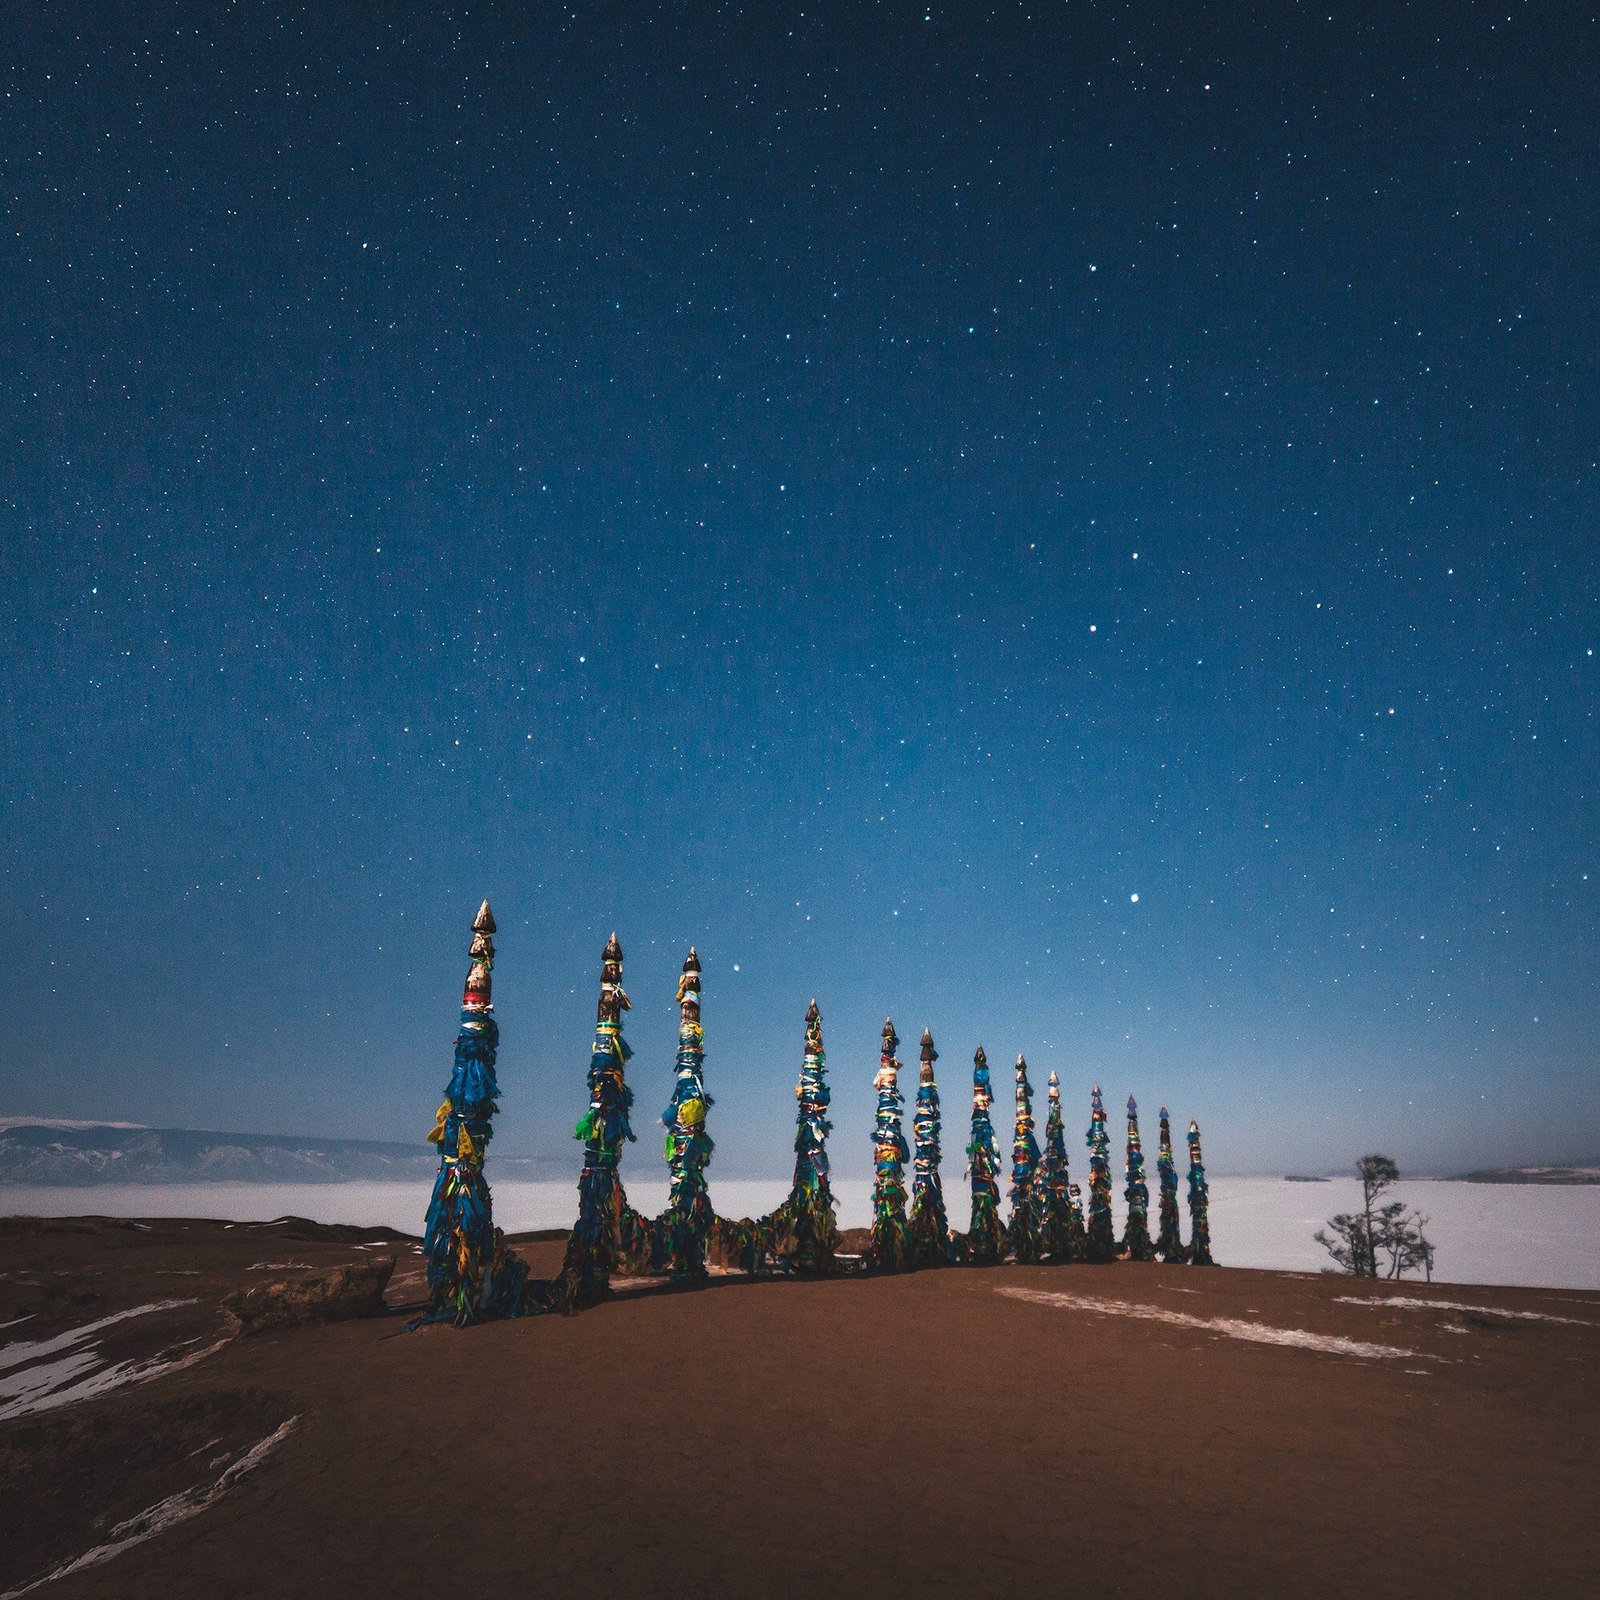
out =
column 1527, row 1234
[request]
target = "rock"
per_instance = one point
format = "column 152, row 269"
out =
column 331, row 1295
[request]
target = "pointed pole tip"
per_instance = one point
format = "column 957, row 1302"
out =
column 484, row 921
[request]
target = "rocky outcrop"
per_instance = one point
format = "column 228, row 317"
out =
column 332, row 1295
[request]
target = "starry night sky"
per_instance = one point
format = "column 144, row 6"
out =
column 1071, row 524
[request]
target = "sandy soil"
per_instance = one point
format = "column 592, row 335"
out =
column 1048, row 1430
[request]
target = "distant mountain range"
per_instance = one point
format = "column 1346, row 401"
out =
column 45, row 1151
column 58, row 1151
column 1577, row 1172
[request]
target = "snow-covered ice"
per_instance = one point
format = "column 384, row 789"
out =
column 1532, row 1235
column 1535, row 1235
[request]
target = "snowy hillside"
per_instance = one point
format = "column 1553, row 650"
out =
column 52, row 1151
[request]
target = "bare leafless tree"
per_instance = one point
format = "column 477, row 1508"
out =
column 1355, row 1241
column 1383, row 1238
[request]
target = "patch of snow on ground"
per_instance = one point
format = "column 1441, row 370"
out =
column 23, row 1350
column 1229, row 1327
column 166, row 1513
column 46, row 1374
column 74, row 1378
column 1458, row 1305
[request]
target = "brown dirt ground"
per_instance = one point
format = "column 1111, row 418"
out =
column 923, row 1435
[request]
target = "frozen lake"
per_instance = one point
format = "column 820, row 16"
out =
column 1531, row 1235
